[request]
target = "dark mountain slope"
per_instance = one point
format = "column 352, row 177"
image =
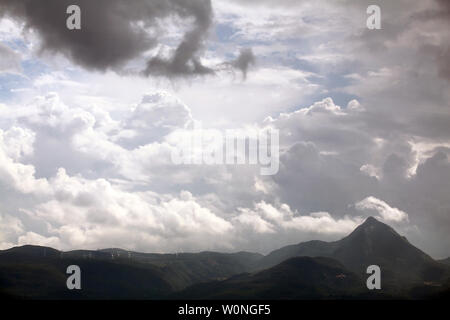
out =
column 296, row 278
column 40, row 273
column 183, row 269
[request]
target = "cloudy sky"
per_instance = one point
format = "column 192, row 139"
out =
column 89, row 119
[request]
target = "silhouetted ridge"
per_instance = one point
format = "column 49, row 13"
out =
column 32, row 251
column 309, row 270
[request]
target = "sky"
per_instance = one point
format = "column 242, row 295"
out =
column 89, row 119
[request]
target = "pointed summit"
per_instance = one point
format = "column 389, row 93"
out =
column 373, row 229
column 374, row 222
column 371, row 220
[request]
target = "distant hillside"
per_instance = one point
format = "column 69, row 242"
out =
column 37, row 272
column 296, row 278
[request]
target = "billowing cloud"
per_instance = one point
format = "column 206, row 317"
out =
column 386, row 212
column 10, row 229
column 13, row 143
column 87, row 213
column 135, row 186
column 157, row 115
column 266, row 218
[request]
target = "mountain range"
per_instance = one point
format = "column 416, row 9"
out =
column 308, row 270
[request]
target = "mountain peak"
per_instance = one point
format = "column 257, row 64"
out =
column 374, row 224
column 373, row 228
column 371, row 221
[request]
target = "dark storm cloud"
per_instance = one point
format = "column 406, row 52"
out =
column 242, row 62
column 245, row 59
column 185, row 60
column 440, row 16
column 114, row 31
column 443, row 55
column 444, row 10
